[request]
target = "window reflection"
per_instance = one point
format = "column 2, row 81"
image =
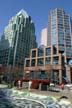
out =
column 41, row 51
column 48, row 51
column 34, row 53
column 40, row 62
column 27, row 63
column 33, row 62
column 55, row 60
column 47, row 60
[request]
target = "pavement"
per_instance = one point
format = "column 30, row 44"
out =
column 65, row 92
column 57, row 95
column 54, row 94
column 45, row 96
column 3, row 86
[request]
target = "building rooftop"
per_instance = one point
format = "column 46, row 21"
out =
column 23, row 12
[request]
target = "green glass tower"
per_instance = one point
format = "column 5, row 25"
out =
column 17, row 40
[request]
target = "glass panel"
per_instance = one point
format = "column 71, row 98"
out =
column 69, row 54
column 47, row 60
column 14, row 26
column 40, row 62
column 48, row 51
column 27, row 63
column 33, row 62
column 55, row 76
column 55, row 60
column 54, row 50
column 40, row 52
column 42, row 75
column 18, row 20
column 33, row 53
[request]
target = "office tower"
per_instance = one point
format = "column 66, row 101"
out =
column 59, row 32
column 17, row 40
column 44, row 37
column 50, row 62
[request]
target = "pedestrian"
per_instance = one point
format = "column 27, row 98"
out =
column 62, row 86
column 19, row 84
column 30, row 82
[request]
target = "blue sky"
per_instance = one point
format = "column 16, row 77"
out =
column 37, row 9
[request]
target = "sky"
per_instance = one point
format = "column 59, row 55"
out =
column 38, row 10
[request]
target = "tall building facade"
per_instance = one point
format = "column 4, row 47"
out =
column 59, row 32
column 44, row 37
column 53, row 61
column 18, row 38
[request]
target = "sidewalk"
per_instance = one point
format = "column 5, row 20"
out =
column 55, row 94
column 3, row 86
column 52, row 93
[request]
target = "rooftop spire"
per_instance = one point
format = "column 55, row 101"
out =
column 23, row 12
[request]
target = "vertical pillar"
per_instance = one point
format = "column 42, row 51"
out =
column 36, row 71
column 34, row 75
column 24, row 69
column 36, row 56
column 51, row 55
column 60, row 76
column 44, row 55
column 68, row 74
column 51, row 73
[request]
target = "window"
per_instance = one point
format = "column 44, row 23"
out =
column 40, row 62
column 33, row 62
column 61, row 47
column 61, row 41
column 18, row 20
column 55, row 60
column 27, row 63
column 69, row 54
column 48, row 51
column 40, row 52
column 68, row 48
column 47, row 60
column 14, row 27
column 34, row 53
column 68, row 42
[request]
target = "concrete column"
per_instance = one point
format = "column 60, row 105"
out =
column 60, row 76
column 35, row 74
column 40, row 86
column 36, row 56
column 68, row 74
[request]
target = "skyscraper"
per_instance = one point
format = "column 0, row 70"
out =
column 59, row 32
column 17, row 40
column 51, row 61
column 44, row 37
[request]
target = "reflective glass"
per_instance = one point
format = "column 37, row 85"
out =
column 47, row 60
column 48, row 51
column 40, row 62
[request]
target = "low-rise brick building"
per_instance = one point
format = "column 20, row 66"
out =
column 45, row 62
